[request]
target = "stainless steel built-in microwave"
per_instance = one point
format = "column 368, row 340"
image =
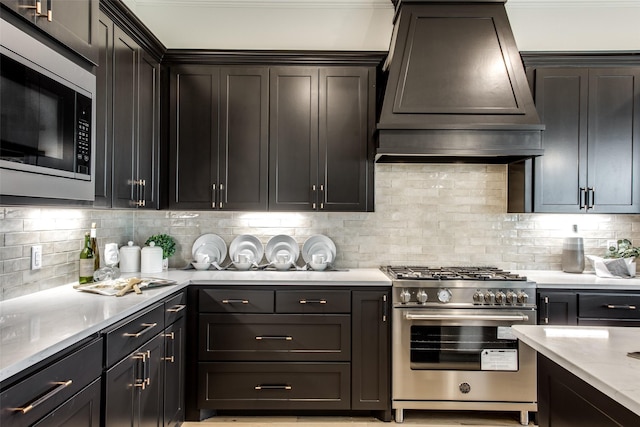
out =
column 47, row 117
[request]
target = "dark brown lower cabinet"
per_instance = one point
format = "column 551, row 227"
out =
column 289, row 349
column 82, row 410
column 588, row 307
column 134, row 387
column 565, row 400
column 174, row 379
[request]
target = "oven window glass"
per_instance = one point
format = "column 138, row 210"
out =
column 458, row 347
column 36, row 118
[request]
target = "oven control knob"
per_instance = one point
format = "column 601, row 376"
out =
column 500, row 297
column 511, row 297
column 522, row 297
column 489, row 297
column 444, row 295
column 422, row 297
column 478, row 297
column 405, row 296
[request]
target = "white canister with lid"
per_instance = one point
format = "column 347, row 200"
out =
column 151, row 259
column 130, row 258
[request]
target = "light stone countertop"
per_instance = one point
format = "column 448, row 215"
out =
column 587, row 280
column 36, row 326
column 601, row 362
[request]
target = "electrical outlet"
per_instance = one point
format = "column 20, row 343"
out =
column 612, row 244
column 36, row 257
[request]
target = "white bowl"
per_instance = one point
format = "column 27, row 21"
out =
column 201, row 265
column 318, row 266
column 282, row 266
column 242, row 266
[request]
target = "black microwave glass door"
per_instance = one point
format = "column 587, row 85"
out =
column 37, row 118
column 454, row 347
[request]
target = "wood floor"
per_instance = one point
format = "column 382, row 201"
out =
column 411, row 419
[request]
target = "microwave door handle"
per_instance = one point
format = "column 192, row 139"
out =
column 497, row 317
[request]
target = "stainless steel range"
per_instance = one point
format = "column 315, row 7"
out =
column 452, row 343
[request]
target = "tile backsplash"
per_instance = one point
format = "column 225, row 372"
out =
column 427, row 214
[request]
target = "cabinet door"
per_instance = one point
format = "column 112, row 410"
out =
column 557, row 308
column 146, row 153
column 293, row 139
column 73, row 23
column 370, row 370
column 104, row 113
column 195, row 91
column 82, row 410
column 244, row 138
column 562, row 103
column 125, row 70
column 134, row 387
column 174, row 373
column 614, row 139
column 345, row 144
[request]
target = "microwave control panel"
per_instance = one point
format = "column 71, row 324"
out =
column 83, row 135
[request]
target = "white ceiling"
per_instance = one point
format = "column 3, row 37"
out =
column 545, row 25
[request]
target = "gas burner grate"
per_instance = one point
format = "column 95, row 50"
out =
column 451, row 273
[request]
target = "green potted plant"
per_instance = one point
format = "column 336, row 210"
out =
column 625, row 249
column 167, row 244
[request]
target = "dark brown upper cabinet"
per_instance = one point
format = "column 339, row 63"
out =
column 321, row 127
column 127, row 124
column 591, row 160
column 72, row 23
column 218, row 137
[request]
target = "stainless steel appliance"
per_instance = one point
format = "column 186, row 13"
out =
column 46, row 124
column 452, row 343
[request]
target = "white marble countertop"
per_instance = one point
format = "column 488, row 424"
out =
column 586, row 280
column 601, row 362
column 39, row 325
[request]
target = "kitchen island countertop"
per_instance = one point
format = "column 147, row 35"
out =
column 600, row 361
column 36, row 326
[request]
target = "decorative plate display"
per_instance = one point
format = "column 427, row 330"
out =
column 282, row 245
column 212, row 245
column 319, row 244
column 248, row 245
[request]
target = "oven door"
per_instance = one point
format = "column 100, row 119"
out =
column 462, row 354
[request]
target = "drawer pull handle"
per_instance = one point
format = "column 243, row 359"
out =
column 59, row 385
column 273, row 337
column 176, row 308
column 313, row 301
column 273, row 387
column 232, row 301
column 623, row 307
column 147, row 328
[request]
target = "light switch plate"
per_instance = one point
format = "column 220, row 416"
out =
column 36, row 257
column 612, row 244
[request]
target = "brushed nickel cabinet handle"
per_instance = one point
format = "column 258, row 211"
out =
column 274, row 337
column 147, row 328
column 620, row 307
column 232, row 301
column 313, row 301
column 176, row 308
column 273, row 387
column 59, row 386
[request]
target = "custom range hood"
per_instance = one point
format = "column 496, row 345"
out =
column 456, row 89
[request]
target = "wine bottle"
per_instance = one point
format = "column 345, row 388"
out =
column 95, row 248
column 87, row 266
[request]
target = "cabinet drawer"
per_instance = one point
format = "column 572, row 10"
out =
column 246, row 337
column 609, row 306
column 235, row 301
column 44, row 391
column 133, row 333
column 175, row 308
column 274, row 385
column 313, row 301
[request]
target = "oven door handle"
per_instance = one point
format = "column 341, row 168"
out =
column 515, row 317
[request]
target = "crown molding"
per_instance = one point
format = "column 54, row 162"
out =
column 270, row 4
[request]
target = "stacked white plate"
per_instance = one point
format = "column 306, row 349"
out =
column 319, row 244
column 248, row 245
column 282, row 245
column 211, row 245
